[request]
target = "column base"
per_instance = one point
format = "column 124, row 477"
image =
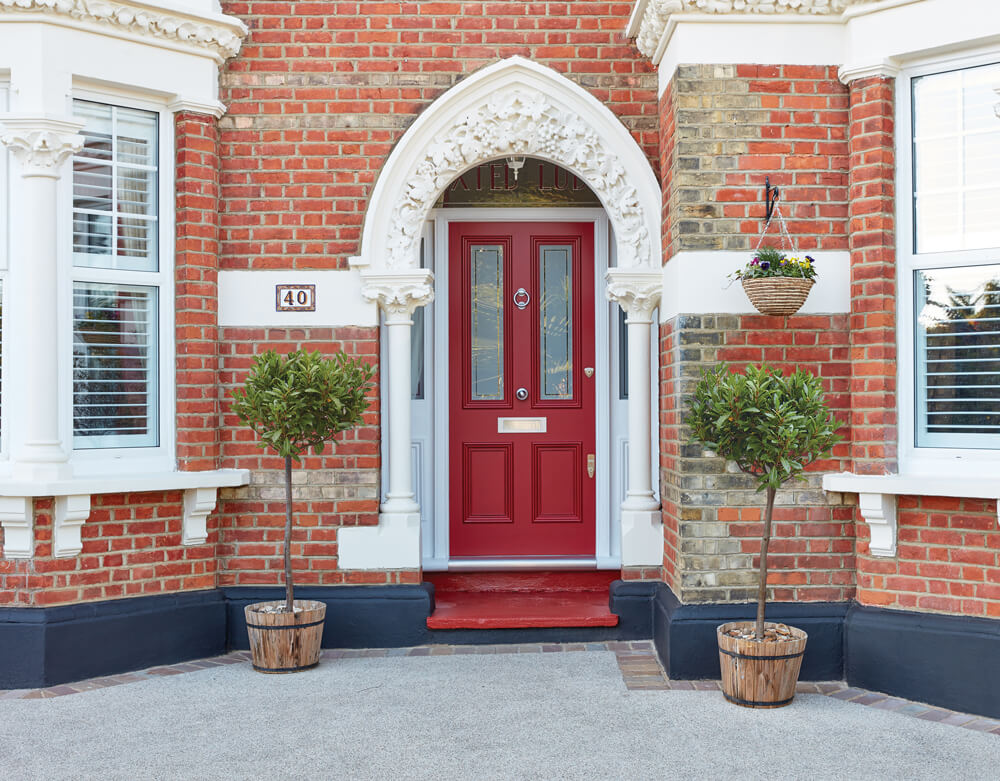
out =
column 393, row 544
column 642, row 538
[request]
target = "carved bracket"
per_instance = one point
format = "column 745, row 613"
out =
column 398, row 294
column 71, row 513
column 16, row 518
column 41, row 144
column 654, row 18
column 219, row 36
column 637, row 292
column 198, row 505
column 879, row 512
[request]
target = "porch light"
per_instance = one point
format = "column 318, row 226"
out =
column 515, row 163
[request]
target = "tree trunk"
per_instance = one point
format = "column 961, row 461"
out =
column 289, row 591
column 765, row 541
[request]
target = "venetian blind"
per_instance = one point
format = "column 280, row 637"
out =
column 114, row 365
column 958, row 357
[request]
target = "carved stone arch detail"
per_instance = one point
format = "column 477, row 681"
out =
column 514, row 107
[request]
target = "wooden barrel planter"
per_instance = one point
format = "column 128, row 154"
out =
column 285, row 642
column 777, row 295
column 760, row 674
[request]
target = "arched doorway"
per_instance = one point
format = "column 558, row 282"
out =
column 512, row 108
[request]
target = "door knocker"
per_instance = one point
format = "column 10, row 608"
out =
column 521, row 298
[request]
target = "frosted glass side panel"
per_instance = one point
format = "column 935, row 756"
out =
column 486, row 322
column 556, row 321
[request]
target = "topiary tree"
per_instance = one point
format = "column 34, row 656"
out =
column 771, row 426
column 299, row 402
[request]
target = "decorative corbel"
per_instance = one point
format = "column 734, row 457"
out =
column 398, row 294
column 198, row 505
column 71, row 512
column 16, row 518
column 879, row 512
column 637, row 292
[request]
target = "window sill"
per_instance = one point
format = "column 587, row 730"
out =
column 877, row 498
column 72, row 505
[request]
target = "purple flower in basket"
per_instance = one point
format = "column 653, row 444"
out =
column 810, row 258
column 765, row 265
column 754, row 262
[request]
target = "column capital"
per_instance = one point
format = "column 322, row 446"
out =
column 637, row 292
column 398, row 294
column 41, row 144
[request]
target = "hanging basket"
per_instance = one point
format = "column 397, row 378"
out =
column 777, row 295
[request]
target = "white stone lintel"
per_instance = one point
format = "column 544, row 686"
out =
column 16, row 518
column 71, row 512
column 879, row 512
column 393, row 544
column 198, row 505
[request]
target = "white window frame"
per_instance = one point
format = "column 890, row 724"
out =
column 4, row 254
column 935, row 461
column 138, row 459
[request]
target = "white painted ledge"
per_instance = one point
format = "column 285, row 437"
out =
column 393, row 544
column 114, row 484
column 72, row 506
column 877, row 498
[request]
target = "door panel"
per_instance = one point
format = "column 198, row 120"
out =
column 522, row 411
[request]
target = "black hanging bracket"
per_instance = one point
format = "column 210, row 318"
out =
column 770, row 199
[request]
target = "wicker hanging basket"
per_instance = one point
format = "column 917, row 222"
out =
column 777, row 295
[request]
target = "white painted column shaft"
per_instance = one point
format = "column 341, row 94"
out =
column 42, row 145
column 399, row 497
column 639, row 495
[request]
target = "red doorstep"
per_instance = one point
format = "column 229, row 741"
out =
column 492, row 600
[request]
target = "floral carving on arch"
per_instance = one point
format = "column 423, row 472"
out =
column 519, row 120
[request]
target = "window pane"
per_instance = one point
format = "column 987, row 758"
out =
column 487, row 322
column 555, row 321
column 417, row 354
column 115, row 396
column 956, row 133
column 1, row 354
column 115, row 181
column 958, row 357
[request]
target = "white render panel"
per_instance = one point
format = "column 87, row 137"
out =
column 696, row 283
column 247, row 298
column 393, row 544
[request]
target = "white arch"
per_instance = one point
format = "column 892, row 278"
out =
column 513, row 107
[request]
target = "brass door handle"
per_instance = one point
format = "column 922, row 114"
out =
column 591, row 464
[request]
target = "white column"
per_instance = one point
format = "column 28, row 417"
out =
column 638, row 293
column 395, row 543
column 42, row 146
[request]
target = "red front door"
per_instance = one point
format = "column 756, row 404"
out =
column 522, row 393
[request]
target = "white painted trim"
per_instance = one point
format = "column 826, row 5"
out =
column 17, row 520
column 198, row 505
column 526, row 563
column 70, row 513
column 247, row 299
column 695, row 282
column 135, row 459
column 958, row 465
column 393, row 544
column 112, row 483
column 514, row 106
column 914, row 485
column 607, row 553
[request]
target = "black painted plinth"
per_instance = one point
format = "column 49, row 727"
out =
column 356, row 616
column 951, row 661
column 53, row 645
column 686, row 641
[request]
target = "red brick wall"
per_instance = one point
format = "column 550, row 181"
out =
column 873, row 276
column 948, row 559
column 338, row 488
column 196, row 274
column 131, row 547
column 321, row 92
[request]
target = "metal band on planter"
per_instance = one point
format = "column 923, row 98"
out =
column 759, row 658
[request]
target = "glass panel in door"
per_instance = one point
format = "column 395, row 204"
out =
column 486, row 295
column 555, row 321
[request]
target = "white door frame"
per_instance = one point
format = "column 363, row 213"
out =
column 436, row 522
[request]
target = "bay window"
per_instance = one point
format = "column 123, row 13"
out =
column 117, row 279
column 950, row 261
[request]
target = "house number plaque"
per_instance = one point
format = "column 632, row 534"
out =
column 295, row 298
